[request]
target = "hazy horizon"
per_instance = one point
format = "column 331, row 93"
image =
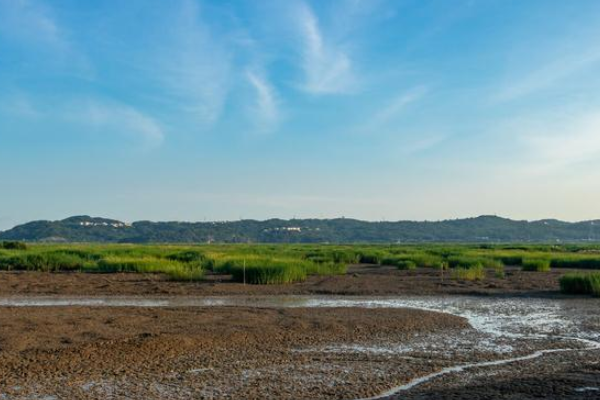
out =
column 198, row 110
column 293, row 218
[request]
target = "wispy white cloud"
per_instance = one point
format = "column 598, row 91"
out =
column 18, row 105
column 559, row 67
column 352, row 16
column 394, row 108
column 122, row 119
column 101, row 116
column 388, row 117
column 193, row 65
column 31, row 21
column 387, row 122
column 421, row 143
column 266, row 108
column 45, row 44
column 327, row 66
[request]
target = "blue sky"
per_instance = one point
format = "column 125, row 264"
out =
column 373, row 109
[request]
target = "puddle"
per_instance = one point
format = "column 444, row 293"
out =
column 587, row 389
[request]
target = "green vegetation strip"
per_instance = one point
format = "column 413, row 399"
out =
column 539, row 265
column 287, row 263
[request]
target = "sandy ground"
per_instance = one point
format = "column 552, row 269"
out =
column 360, row 280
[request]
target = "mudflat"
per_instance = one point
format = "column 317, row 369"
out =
column 261, row 346
column 360, row 280
column 218, row 352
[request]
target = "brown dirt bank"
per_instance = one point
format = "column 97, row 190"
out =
column 204, row 353
column 360, row 280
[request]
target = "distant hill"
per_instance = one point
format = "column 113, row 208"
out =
column 340, row 230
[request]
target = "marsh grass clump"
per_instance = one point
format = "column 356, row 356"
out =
column 265, row 271
column 133, row 264
column 475, row 273
column 392, row 260
column 407, row 259
column 13, row 245
column 370, row 257
column 329, row 268
column 184, row 272
column 510, row 260
column 172, row 269
column 53, row 261
column 499, row 271
column 536, row 265
column 400, row 263
column 492, row 263
column 581, row 283
column 406, row 265
column 187, row 256
column 465, row 262
column 577, row 262
column 425, row 260
column 327, row 255
column 128, row 251
column 88, row 254
column 269, row 274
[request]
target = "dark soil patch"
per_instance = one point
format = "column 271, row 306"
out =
column 360, row 280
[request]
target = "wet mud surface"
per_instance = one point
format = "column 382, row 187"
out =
column 78, row 336
column 360, row 280
column 573, row 375
column 218, row 352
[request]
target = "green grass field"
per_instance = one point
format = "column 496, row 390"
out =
column 276, row 264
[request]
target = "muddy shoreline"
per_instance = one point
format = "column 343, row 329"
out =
column 220, row 352
column 360, row 280
column 253, row 342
